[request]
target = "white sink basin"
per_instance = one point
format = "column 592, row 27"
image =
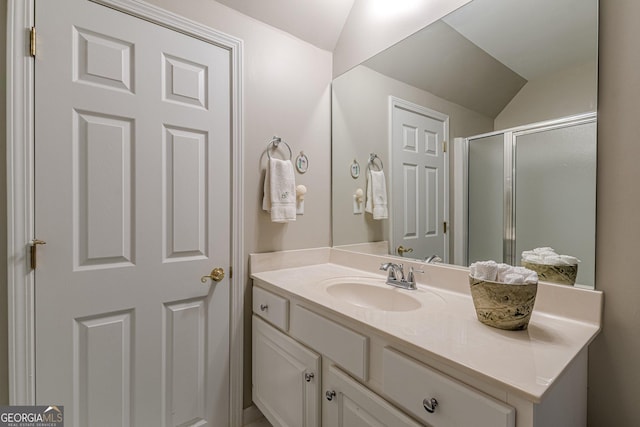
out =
column 368, row 295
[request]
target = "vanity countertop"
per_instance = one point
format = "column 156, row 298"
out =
column 445, row 327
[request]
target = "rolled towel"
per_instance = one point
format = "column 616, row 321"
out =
column 502, row 270
column 545, row 249
column 528, row 276
column 513, row 279
column 484, row 270
column 548, row 256
column 552, row 260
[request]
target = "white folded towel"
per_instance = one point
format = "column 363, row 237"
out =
column 376, row 203
column 280, row 191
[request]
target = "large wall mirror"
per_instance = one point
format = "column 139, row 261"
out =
column 482, row 123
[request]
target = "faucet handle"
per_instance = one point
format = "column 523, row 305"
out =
column 389, row 266
column 410, row 276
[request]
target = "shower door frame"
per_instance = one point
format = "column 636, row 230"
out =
column 461, row 151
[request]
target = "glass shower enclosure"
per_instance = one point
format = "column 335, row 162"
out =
column 533, row 186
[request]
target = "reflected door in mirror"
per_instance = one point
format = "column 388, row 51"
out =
column 419, row 179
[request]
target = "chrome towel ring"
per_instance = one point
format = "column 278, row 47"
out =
column 273, row 145
column 372, row 162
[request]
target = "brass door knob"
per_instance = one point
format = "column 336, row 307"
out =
column 217, row 274
column 402, row 250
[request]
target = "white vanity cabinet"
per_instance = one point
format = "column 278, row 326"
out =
column 349, row 404
column 286, row 378
column 313, row 366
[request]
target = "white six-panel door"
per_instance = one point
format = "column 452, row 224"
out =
column 132, row 162
column 419, row 180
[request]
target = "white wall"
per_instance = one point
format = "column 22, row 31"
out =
column 568, row 92
column 373, row 26
column 360, row 114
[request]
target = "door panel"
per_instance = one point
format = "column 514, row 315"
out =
column 103, row 344
column 132, row 197
column 419, row 182
column 102, row 187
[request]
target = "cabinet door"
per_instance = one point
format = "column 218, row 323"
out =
column 286, row 378
column 349, row 404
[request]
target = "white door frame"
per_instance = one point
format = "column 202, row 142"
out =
column 20, row 191
column 418, row 109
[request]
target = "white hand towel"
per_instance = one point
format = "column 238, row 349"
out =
column 376, row 203
column 280, row 191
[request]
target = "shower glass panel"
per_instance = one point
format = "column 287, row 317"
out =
column 555, row 177
column 485, row 198
column 534, row 186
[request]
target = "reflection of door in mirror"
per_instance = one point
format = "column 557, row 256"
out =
column 418, row 180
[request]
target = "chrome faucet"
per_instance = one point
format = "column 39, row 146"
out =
column 396, row 276
column 432, row 259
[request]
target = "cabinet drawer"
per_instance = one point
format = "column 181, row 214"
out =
column 409, row 383
column 271, row 307
column 345, row 347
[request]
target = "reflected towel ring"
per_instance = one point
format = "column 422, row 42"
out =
column 275, row 142
column 372, row 161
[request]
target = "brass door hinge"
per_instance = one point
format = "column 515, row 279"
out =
column 445, row 226
column 34, row 252
column 32, row 42
column 444, row 146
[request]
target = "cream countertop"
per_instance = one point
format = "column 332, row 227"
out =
column 445, row 327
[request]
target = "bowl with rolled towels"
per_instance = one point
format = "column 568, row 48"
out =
column 550, row 266
column 503, row 295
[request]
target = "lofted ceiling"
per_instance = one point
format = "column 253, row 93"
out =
column 493, row 46
column 318, row 22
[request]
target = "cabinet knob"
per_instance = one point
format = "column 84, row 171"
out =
column 330, row 394
column 430, row 405
column 308, row 376
column 264, row 307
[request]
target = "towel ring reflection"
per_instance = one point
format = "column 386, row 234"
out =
column 274, row 143
column 372, row 161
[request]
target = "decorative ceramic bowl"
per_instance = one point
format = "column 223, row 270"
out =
column 502, row 305
column 561, row 274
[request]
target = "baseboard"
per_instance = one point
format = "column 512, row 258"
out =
column 251, row 414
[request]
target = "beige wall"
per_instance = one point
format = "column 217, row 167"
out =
column 565, row 93
column 4, row 373
column 614, row 368
column 360, row 116
column 373, row 26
